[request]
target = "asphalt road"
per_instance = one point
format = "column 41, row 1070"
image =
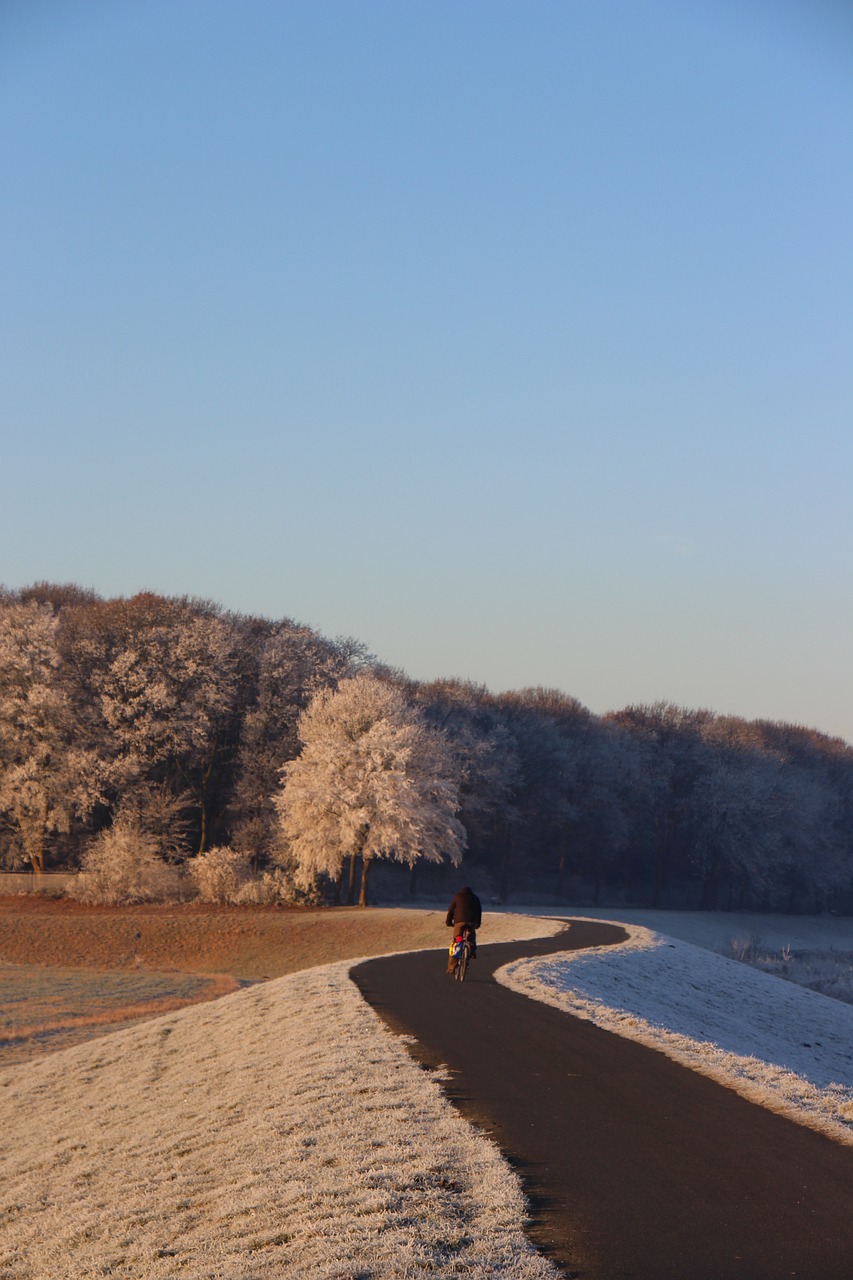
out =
column 634, row 1166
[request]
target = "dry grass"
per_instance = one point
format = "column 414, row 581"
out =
column 829, row 972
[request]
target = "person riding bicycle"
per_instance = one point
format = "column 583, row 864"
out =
column 464, row 911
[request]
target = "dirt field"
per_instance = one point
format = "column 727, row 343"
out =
column 248, row 942
column 71, row 971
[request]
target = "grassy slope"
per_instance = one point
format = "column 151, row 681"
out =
column 279, row 1132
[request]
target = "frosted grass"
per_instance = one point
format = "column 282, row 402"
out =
column 282, row 1131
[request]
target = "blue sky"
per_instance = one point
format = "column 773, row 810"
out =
column 513, row 339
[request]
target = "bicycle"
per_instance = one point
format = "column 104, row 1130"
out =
column 463, row 955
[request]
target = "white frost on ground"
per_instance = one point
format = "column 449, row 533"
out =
column 773, row 1042
column 281, row 1131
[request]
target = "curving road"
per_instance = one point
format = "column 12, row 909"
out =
column 635, row 1167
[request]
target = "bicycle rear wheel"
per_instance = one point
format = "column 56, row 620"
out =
column 462, row 964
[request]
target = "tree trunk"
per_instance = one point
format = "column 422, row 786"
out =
column 413, row 881
column 561, row 875
column 202, row 844
column 32, row 832
column 360, row 842
column 708, row 897
column 365, row 868
column 353, row 858
column 202, row 790
column 563, row 865
column 506, row 862
column 660, row 864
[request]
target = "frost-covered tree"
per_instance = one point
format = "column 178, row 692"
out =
column 605, row 788
column 172, row 718
column 121, row 865
column 815, row 808
column 290, row 664
column 538, row 808
column 46, row 778
column 486, row 756
column 671, row 753
column 167, row 680
column 735, row 821
column 219, row 873
column 372, row 781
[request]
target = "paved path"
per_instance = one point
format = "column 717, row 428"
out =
column 635, row 1166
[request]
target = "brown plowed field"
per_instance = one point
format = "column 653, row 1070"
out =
column 248, row 942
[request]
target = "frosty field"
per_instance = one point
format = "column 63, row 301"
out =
column 280, row 1131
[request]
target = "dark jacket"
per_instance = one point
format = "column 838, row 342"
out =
column 465, row 909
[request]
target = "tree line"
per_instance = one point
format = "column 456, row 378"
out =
column 203, row 728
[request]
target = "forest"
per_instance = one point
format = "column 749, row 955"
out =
column 177, row 718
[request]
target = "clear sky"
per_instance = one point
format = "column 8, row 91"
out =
column 514, row 339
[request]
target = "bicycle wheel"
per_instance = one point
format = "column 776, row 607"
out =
column 462, row 964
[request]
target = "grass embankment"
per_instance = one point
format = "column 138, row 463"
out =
column 280, row 1132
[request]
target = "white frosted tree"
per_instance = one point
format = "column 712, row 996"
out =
column 122, row 865
column 292, row 663
column 372, row 781
column 45, row 779
column 167, row 681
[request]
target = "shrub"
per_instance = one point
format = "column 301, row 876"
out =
column 744, row 947
column 829, row 972
column 274, row 888
column 219, row 874
column 121, row 865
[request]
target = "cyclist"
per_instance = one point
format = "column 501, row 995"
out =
column 464, row 910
